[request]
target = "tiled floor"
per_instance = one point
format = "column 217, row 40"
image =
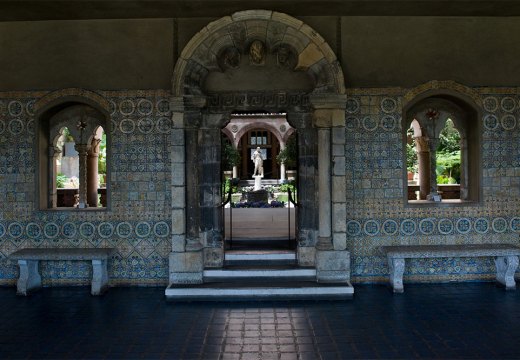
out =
column 469, row 320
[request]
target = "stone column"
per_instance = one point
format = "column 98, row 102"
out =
column 186, row 260
column 210, row 186
column 423, row 156
column 307, row 193
column 92, row 173
column 324, row 190
column 53, row 154
column 82, row 150
column 332, row 257
column 434, row 142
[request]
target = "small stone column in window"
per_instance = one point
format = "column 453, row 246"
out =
column 54, row 153
column 423, row 157
column 92, row 173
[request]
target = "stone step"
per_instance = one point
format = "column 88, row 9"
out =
column 255, row 258
column 274, row 273
column 262, row 290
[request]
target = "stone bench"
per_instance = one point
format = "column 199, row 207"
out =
column 506, row 259
column 30, row 278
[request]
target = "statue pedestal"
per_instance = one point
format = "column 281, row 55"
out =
column 258, row 182
column 257, row 196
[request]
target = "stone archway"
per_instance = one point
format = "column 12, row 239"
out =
column 252, row 45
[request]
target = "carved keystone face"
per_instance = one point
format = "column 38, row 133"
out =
column 257, row 53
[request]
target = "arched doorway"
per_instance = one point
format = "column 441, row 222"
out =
column 269, row 131
column 260, row 62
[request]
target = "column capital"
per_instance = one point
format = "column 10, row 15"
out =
column 422, row 143
column 213, row 121
column 328, row 109
column 54, row 151
column 82, row 148
column 177, row 104
column 94, row 148
column 328, row 101
column 194, row 102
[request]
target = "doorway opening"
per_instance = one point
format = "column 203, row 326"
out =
column 259, row 162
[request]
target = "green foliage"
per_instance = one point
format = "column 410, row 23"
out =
column 102, row 159
column 289, row 155
column 67, row 135
column 442, row 179
column 412, row 163
column 288, row 185
column 449, row 138
column 225, row 188
column 230, row 156
column 448, row 155
column 61, row 180
column 448, row 167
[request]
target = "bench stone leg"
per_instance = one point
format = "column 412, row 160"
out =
column 396, row 274
column 99, row 277
column 29, row 278
column 506, row 267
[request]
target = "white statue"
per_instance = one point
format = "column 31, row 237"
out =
column 259, row 163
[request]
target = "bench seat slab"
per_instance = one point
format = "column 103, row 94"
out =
column 506, row 259
column 28, row 260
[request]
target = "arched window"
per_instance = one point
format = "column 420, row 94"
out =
column 72, row 157
column 443, row 149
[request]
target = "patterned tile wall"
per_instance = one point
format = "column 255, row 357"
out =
column 138, row 221
column 376, row 214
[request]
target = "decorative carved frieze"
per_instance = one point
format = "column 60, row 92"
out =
column 261, row 100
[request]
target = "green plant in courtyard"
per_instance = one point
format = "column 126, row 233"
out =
column 227, row 185
column 288, row 155
column 230, row 156
column 448, row 155
column 290, row 185
column 412, row 164
column 61, row 180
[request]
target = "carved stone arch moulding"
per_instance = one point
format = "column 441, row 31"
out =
column 432, row 92
column 87, row 97
column 436, row 87
column 220, row 45
column 431, row 114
